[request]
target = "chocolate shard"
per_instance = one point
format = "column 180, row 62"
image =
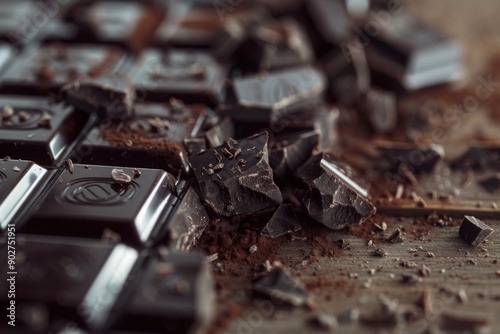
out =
column 491, row 184
column 418, row 158
column 235, row 178
column 330, row 196
column 172, row 295
column 109, row 96
column 279, row 285
column 289, row 152
column 187, row 223
column 260, row 98
column 473, row 231
column 220, row 132
column 479, row 158
column 413, row 54
column 379, row 108
column 282, row 222
column 194, row 146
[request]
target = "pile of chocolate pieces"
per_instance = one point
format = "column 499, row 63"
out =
column 128, row 127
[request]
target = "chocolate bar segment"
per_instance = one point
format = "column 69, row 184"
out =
column 66, row 278
column 21, row 182
column 418, row 158
column 414, row 54
column 235, row 178
column 173, row 295
column 45, row 131
column 262, row 98
column 42, row 69
column 89, row 201
column 188, row 75
column 152, row 138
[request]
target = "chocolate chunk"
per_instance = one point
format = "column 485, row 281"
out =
column 152, row 138
column 282, row 222
column 41, row 69
column 473, row 231
column 126, row 23
column 491, row 184
column 279, row 285
column 273, row 45
column 187, row 223
column 411, row 52
column 194, row 146
column 348, row 74
column 418, row 158
column 20, row 184
column 396, row 237
column 289, row 152
column 90, row 201
column 330, row 196
column 244, row 183
column 379, row 108
column 328, row 22
column 188, row 75
column 219, row 133
column 109, row 97
column 479, row 158
column 173, row 295
column 72, row 278
column 262, row 98
column 45, row 140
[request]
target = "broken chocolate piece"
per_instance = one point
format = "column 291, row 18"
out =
column 220, row 132
column 396, row 237
column 279, row 285
column 109, row 96
column 479, row 158
column 235, row 178
column 289, row 152
column 417, row 158
column 473, row 231
column 261, row 98
column 330, row 196
column 282, row 222
column 194, row 146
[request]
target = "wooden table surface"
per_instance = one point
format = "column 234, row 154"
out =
column 461, row 277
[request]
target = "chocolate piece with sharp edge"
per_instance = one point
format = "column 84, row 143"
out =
column 89, row 201
column 188, row 75
column 36, row 129
column 38, row 70
column 262, row 98
column 473, row 231
column 282, row 222
column 152, row 138
column 74, row 279
column 21, row 183
column 173, row 295
column 330, row 196
column 235, row 178
column 289, row 152
column 279, row 285
column 219, row 133
column 110, row 97
column 194, row 146
column 418, row 158
column 414, row 54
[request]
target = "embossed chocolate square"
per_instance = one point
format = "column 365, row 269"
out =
column 152, row 138
column 187, row 75
column 66, row 279
column 100, row 201
column 34, row 128
column 20, row 184
column 40, row 69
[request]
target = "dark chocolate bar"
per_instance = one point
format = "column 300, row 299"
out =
column 152, row 138
column 188, row 75
column 37, row 129
column 42, row 69
column 66, row 279
column 95, row 199
column 173, row 295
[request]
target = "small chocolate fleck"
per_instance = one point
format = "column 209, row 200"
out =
column 119, row 176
